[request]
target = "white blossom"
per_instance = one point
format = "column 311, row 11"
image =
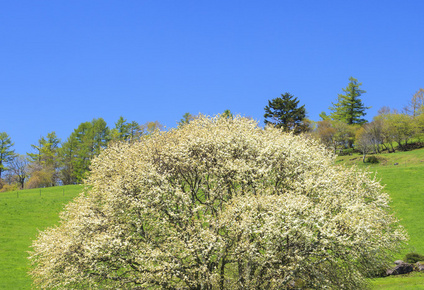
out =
column 219, row 203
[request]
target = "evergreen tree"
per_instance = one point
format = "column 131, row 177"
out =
column 6, row 153
column 284, row 113
column 84, row 143
column 349, row 107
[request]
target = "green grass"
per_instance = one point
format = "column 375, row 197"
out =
column 405, row 185
column 22, row 214
column 414, row 280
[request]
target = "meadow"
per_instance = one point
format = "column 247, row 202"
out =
column 22, row 214
column 25, row 212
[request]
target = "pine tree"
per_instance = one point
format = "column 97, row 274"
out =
column 6, row 153
column 284, row 113
column 349, row 107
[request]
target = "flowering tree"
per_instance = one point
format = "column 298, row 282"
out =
column 219, row 203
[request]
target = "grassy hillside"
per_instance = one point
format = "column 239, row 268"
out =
column 405, row 185
column 22, row 213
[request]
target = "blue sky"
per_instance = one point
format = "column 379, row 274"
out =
column 67, row 62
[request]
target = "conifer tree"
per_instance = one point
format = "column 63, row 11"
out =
column 284, row 113
column 349, row 107
column 6, row 153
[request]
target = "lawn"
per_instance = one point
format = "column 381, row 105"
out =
column 22, row 213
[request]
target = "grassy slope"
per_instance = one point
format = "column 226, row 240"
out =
column 20, row 218
column 405, row 184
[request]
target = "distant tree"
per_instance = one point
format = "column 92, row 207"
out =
column 364, row 142
column 349, row 107
column 84, row 143
column 121, row 131
column 135, row 130
column 416, row 104
column 326, row 133
column 187, row 118
column 45, row 161
column 19, row 169
column 150, row 127
column 68, row 157
column 401, row 128
column 6, row 151
column 285, row 113
column 227, row 114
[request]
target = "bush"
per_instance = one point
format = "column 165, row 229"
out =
column 219, row 203
column 373, row 160
column 9, row 187
column 413, row 258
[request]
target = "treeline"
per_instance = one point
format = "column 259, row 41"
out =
column 53, row 162
column 344, row 130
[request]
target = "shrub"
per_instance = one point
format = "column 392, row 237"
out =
column 10, row 187
column 413, row 258
column 219, row 203
column 372, row 160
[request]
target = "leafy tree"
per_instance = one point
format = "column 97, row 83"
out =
column 285, row 113
column 44, row 162
column 349, row 107
column 219, row 204
column 6, row 151
column 151, row 127
column 326, row 134
column 402, row 128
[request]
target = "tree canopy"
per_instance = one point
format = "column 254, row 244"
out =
column 219, row 203
column 285, row 113
column 349, row 107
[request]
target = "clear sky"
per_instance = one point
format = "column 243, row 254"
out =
column 67, row 62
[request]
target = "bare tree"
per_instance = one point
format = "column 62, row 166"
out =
column 19, row 169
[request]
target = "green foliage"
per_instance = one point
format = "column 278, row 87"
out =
column 285, row 113
column 77, row 152
column 6, row 151
column 349, row 107
column 187, row 117
column 412, row 281
column 373, row 160
column 413, row 258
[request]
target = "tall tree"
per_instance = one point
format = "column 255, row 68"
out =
column 6, row 151
column 349, row 107
column 285, row 113
column 44, row 166
column 84, row 143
